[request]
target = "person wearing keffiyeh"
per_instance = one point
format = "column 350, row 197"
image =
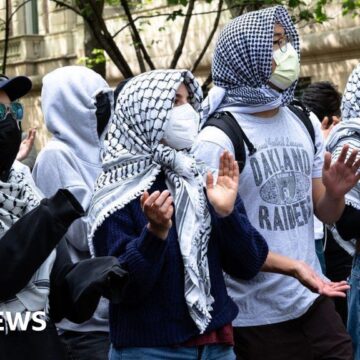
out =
column 348, row 132
column 30, row 228
column 284, row 182
column 38, row 283
column 176, row 296
column 174, row 238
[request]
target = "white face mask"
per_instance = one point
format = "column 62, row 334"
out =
column 287, row 67
column 182, row 127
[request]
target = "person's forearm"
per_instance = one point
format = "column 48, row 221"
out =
column 27, row 244
column 329, row 209
column 280, row 264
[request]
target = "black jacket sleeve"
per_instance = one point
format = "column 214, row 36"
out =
column 27, row 244
column 348, row 226
column 76, row 289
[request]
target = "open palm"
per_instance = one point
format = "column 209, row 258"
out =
column 222, row 196
column 341, row 176
column 310, row 279
column 26, row 145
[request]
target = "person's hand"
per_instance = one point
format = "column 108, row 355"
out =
column 327, row 125
column 26, row 145
column 158, row 209
column 341, row 176
column 222, row 196
column 310, row 279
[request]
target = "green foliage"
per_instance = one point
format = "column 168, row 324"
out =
column 112, row 2
column 178, row 2
column 175, row 14
column 351, row 6
column 97, row 57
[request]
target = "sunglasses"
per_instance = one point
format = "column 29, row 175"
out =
column 15, row 109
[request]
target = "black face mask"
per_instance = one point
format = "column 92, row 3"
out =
column 103, row 112
column 10, row 140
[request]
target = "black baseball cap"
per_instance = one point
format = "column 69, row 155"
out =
column 15, row 87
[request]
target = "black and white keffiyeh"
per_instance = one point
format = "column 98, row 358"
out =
column 242, row 63
column 134, row 157
column 348, row 132
column 18, row 196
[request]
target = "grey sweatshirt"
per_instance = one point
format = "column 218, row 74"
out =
column 72, row 158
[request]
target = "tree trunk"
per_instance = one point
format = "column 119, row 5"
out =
column 90, row 43
column 7, row 35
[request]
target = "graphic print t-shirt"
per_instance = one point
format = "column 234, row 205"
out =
column 276, row 188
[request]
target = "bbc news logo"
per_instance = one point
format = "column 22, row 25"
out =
column 10, row 321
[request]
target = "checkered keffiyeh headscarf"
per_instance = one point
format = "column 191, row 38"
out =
column 133, row 159
column 242, row 63
column 348, row 131
column 350, row 105
column 18, row 196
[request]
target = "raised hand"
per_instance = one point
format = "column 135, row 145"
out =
column 310, row 279
column 341, row 176
column 158, row 209
column 222, row 196
column 26, row 145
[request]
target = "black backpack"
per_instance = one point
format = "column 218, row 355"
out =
column 226, row 122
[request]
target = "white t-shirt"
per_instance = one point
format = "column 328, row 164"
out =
column 318, row 229
column 276, row 188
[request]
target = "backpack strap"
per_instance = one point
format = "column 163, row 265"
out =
column 226, row 122
column 304, row 115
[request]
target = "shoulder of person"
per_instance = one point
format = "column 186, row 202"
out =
column 56, row 151
column 212, row 134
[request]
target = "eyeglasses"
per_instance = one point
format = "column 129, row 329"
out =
column 282, row 43
column 15, row 109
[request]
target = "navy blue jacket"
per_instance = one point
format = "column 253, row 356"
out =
column 153, row 311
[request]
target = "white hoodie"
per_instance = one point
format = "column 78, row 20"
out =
column 72, row 158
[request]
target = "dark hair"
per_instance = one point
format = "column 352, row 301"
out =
column 118, row 89
column 323, row 99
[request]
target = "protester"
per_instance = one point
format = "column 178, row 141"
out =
column 150, row 210
column 255, row 70
column 77, row 104
column 348, row 132
column 324, row 100
column 30, row 229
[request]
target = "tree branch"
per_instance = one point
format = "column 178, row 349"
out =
column 138, row 54
column 101, row 34
column 184, row 31
column 216, row 24
column 7, row 34
column 140, row 17
column 136, row 34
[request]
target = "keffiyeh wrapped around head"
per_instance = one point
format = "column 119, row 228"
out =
column 350, row 105
column 18, row 196
column 134, row 156
column 348, row 131
column 242, row 63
